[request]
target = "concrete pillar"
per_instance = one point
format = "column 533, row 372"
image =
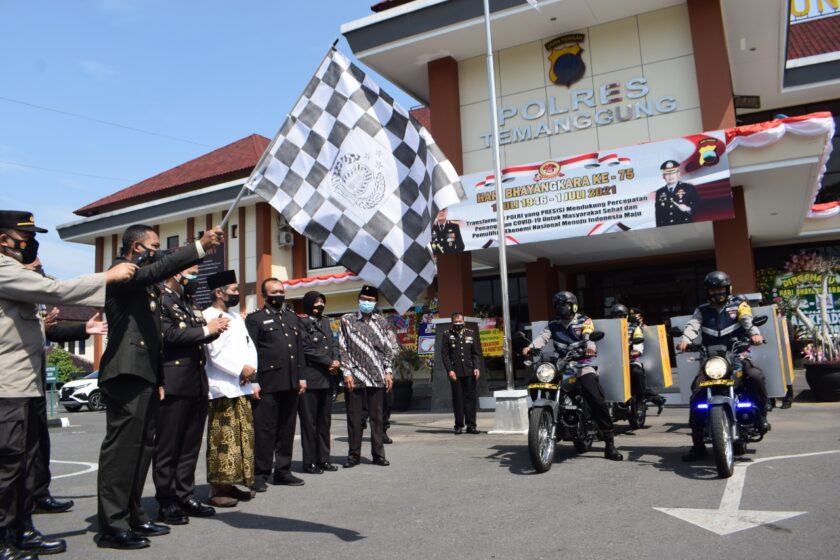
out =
column 264, row 215
column 542, row 285
column 300, row 267
column 242, row 248
column 711, row 62
column 733, row 247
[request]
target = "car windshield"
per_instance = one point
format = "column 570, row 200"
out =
column 93, row 375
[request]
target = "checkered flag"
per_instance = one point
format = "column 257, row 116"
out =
column 353, row 172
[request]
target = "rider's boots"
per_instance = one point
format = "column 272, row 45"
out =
column 698, row 448
column 659, row 401
column 763, row 425
column 610, row 452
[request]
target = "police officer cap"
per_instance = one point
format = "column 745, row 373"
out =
column 16, row 219
column 619, row 310
column 221, row 279
column 670, row 166
column 369, row 291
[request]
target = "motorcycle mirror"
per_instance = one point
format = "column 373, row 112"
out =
column 675, row 332
column 596, row 336
column 758, row 321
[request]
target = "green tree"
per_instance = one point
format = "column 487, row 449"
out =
column 64, row 362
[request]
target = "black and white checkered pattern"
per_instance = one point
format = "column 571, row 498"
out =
column 352, row 171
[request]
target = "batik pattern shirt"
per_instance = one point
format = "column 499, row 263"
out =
column 367, row 348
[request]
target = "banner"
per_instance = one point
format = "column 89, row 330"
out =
column 672, row 182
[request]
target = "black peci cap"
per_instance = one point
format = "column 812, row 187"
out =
column 369, row 291
column 16, row 219
column 221, row 279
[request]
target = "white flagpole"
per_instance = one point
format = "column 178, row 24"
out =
column 497, row 170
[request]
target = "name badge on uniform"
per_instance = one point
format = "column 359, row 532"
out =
column 267, row 321
column 468, row 340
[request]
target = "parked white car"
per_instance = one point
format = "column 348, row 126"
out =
column 85, row 391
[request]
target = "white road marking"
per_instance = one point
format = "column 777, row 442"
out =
column 91, row 467
column 728, row 519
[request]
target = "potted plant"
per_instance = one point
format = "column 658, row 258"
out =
column 810, row 274
column 406, row 363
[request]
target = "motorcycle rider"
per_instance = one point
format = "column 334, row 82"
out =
column 569, row 327
column 635, row 323
column 724, row 316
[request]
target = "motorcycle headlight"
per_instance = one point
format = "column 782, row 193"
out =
column 546, row 373
column 715, row 368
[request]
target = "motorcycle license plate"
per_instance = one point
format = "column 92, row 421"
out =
column 713, row 382
column 542, row 386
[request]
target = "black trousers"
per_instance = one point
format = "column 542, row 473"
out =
column 126, row 452
column 354, row 400
column 463, row 400
column 41, row 468
column 387, row 405
column 19, row 440
column 315, row 418
column 275, row 418
column 593, row 394
column 179, row 430
column 753, row 387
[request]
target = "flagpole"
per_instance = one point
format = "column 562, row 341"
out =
column 497, row 170
column 258, row 167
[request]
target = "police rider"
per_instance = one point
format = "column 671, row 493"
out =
column 569, row 327
column 724, row 316
column 635, row 323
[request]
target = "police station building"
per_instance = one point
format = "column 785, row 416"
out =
column 580, row 84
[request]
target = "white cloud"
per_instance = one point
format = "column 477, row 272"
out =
column 96, row 69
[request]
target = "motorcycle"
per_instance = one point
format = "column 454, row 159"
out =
column 731, row 420
column 635, row 409
column 558, row 410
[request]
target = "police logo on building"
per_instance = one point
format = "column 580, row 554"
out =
column 567, row 66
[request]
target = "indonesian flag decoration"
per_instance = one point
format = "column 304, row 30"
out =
column 353, row 172
column 764, row 134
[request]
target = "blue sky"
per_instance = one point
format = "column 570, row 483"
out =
column 209, row 72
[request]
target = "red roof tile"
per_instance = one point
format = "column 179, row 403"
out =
column 813, row 37
column 224, row 164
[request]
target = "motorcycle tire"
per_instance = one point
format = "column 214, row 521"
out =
column 722, row 445
column 541, row 439
column 582, row 445
column 637, row 415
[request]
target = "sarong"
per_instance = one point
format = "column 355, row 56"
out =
column 230, row 442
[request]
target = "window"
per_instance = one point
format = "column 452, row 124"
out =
column 82, row 347
column 172, row 242
column 234, row 231
column 318, row 258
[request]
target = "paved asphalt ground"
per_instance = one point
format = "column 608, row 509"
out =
column 476, row 496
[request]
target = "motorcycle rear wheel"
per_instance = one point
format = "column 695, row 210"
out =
column 722, row 441
column 541, row 439
column 637, row 415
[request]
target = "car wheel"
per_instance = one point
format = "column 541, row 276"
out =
column 96, row 402
column 72, row 407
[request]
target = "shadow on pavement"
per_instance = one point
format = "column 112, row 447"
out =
column 515, row 457
column 243, row 520
column 669, row 459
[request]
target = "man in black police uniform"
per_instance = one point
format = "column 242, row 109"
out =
column 275, row 331
column 321, row 364
column 676, row 202
column 461, row 354
column 131, row 381
column 446, row 235
column 181, row 415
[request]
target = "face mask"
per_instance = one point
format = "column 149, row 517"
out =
column 275, row 301
column 317, row 309
column 232, row 301
column 719, row 299
column 27, row 249
column 148, row 256
column 190, row 284
column 367, row 307
column 563, row 311
column 458, row 326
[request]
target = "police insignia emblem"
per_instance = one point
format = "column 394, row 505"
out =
column 355, row 181
column 567, row 66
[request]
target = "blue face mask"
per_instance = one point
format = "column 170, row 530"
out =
column 367, row 307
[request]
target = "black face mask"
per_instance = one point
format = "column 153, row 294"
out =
column 28, row 249
column 232, row 301
column 458, row 326
column 148, row 256
column 317, row 309
column 190, row 285
column 563, row 311
column 275, row 301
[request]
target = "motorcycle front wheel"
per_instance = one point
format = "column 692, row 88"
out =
column 541, row 439
column 722, row 441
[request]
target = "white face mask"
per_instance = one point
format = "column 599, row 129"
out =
column 366, row 307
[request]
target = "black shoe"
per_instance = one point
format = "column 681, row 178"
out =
column 124, row 540
column 288, row 479
column 33, row 542
column 696, row 453
column 172, row 514
column 259, row 486
column 611, row 453
column 194, row 508
column 51, row 505
column 381, row 461
column 150, row 529
column 387, row 439
column 7, row 552
column 312, row 468
column 350, row 463
column 241, row 495
column 327, row 466
column 472, row 430
column 459, row 430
